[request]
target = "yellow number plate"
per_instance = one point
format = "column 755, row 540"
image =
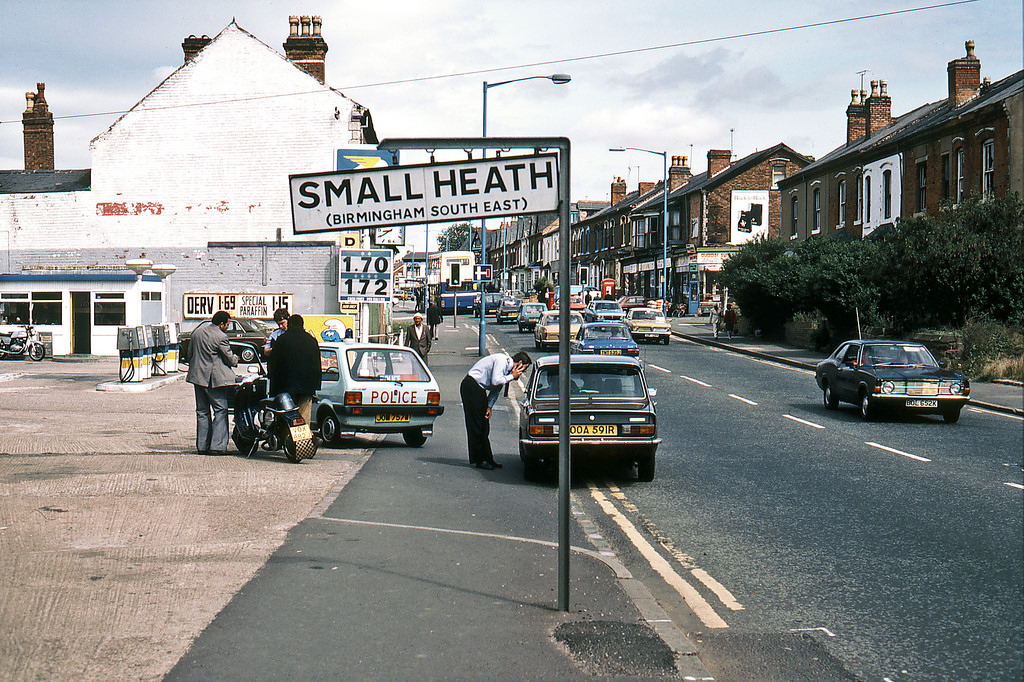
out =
column 300, row 432
column 611, row 352
column 592, row 430
column 391, row 418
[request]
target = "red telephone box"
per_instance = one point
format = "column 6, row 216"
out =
column 608, row 289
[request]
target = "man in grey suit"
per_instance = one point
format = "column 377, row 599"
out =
column 209, row 371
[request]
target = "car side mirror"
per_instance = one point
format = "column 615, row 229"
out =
column 944, row 364
column 652, row 392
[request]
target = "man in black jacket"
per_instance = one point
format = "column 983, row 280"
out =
column 294, row 366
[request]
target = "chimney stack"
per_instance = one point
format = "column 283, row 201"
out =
column 618, row 191
column 856, row 117
column 305, row 47
column 645, row 187
column 191, row 45
column 678, row 173
column 878, row 107
column 964, row 77
column 718, row 161
column 37, row 122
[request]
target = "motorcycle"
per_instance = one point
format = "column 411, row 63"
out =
column 269, row 422
column 21, row 340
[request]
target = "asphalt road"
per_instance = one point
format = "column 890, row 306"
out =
column 828, row 546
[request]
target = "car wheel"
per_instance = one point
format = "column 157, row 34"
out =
column 247, row 355
column 414, row 438
column 867, row 407
column 666, row 339
column 330, row 427
column 828, row 398
column 951, row 416
column 645, row 468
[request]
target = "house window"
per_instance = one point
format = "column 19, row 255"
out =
column 988, row 169
column 922, row 186
column 108, row 310
column 793, row 205
column 46, row 307
column 959, row 176
column 842, row 203
column 867, row 198
column 778, row 173
column 816, row 228
column 860, row 202
column 945, row 177
column 887, row 193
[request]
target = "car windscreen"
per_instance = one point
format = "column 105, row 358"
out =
column 606, row 305
column 645, row 315
column 597, row 381
column 378, row 364
column 898, row 355
column 606, row 331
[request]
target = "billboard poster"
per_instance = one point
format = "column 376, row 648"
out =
column 369, row 157
column 749, row 215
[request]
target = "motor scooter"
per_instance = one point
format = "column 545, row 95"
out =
column 269, row 422
column 21, row 340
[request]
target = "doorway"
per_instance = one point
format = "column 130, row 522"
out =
column 81, row 323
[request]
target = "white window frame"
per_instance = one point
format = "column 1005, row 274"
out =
column 842, row 203
column 988, row 169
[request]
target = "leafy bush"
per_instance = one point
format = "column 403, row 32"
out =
column 992, row 350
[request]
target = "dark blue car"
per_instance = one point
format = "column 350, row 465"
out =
column 605, row 338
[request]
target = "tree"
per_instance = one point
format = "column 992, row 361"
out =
column 453, row 237
column 946, row 269
column 762, row 280
column 837, row 279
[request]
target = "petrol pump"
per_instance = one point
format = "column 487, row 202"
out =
column 173, row 349
column 146, row 335
column 129, row 346
column 159, row 364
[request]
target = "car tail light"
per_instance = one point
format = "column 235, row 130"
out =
column 638, row 429
column 633, row 351
column 542, row 430
column 353, row 397
column 433, row 397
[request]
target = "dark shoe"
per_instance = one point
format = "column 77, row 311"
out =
column 485, row 465
column 202, row 452
column 496, row 465
column 217, row 452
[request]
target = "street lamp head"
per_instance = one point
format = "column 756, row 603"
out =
column 617, row 149
column 560, row 78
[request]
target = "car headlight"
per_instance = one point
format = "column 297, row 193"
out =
column 888, row 387
column 956, row 388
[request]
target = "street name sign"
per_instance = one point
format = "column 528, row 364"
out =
column 429, row 193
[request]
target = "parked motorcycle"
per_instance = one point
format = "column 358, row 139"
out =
column 269, row 422
column 21, row 340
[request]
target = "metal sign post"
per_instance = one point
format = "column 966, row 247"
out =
column 561, row 144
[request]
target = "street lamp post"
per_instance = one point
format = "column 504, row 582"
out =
column 557, row 79
column 664, row 220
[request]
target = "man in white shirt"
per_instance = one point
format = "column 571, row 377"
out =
column 480, row 390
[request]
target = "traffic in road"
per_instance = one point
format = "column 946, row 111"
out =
column 893, row 545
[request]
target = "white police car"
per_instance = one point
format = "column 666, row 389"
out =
column 375, row 388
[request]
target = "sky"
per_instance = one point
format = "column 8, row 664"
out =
column 714, row 87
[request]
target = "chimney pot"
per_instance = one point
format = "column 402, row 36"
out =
column 964, row 77
column 37, row 126
column 306, row 49
column 874, row 88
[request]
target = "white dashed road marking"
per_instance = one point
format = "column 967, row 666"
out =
column 897, row 452
column 803, row 421
column 742, row 399
column 696, row 381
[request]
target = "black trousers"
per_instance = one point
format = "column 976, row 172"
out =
column 478, row 426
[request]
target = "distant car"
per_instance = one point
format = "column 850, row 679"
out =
column 627, row 302
column 894, row 375
column 599, row 311
column 239, row 329
column 507, row 310
column 612, row 414
column 528, row 315
column 491, row 303
column 375, row 388
column 545, row 334
column 604, row 338
column 647, row 323
column 576, row 302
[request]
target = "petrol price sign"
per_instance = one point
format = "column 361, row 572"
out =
column 365, row 275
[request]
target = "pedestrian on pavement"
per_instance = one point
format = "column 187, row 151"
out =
column 480, row 391
column 209, row 371
column 281, row 320
column 434, row 317
column 730, row 320
column 417, row 336
column 294, row 366
column 715, row 318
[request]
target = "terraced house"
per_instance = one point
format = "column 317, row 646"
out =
column 970, row 142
